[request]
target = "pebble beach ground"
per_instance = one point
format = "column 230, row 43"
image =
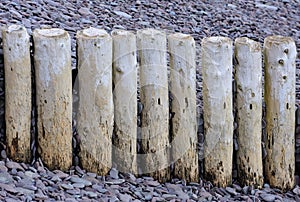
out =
column 253, row 19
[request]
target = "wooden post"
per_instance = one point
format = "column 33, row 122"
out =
column 184, row 123
column 17, row 92
column 95, row 111
column 52, row 60
column 217, row 109
column 154, row 98
column 125, row 100
column 248, row 78
column 280, row 67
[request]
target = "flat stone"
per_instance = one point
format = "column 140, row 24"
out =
column 40, row 196
column 99, row 188
column 119, row 181
column 24, row 191
column 91, row 194
column 80, row 180
column 79, row 170
column 91, row 174
column 67, row 186
column 31, row 174
column 3, row 168
column 5, row 178
column 169, row 196
column 78, row 185
column 17, row 166
column 231, row 191
column 9, row 188
column 152, row 183
column 123, row 14
column 39, row 184
column 296, row 191
column 114, row 173
column 125, row 197
column 60, row 174
column 70, row 200
column 55, row 178
column 268, row 197
column 73, row 191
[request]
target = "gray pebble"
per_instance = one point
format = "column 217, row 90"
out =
column 268, row 197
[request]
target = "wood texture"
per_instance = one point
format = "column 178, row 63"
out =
column 125, row 100
column 17, row 68
column 52, row 60
column 248, row 77
column 280, row 67
column 154, row 98
column 184, row 122
column 96, row 111
column 217, row 108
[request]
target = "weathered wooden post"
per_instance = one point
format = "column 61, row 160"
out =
column 217, row 109
column 96, row 110
column 125, row 100
column 17, row 92
column 52, row 60
column 248, row 78
column 280, row 67
column 184, row 123
column 154, row 98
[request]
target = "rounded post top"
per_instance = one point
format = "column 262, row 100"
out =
column 150, row 32
column 216, row 40
column 92, row 33
column 52, row 32
column 15, row 28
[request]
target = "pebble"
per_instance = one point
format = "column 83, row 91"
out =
column 268, row 197
column 123, row 14
column 5, row 178
column 14, row 165
column 231, row 191
column 80, row 180
column 67, row 186
column 113, row 173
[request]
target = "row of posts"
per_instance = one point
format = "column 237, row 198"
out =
column 108, row 79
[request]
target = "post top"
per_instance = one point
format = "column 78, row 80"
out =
column 150, row 32
column 52, row 32
column 216, row 40
column 93, row 32
column 277, row 39
column 253, row 45
column 13, row 28
column 120, row 32
column 181, row 36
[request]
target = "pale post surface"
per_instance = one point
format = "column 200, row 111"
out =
column 154, row 98
column 280, row 67
column 96, row 110
column 248, row 78
column 184, row 122
column 52, row 60
column 17, row 68
column 125, row 100
column 217, row 108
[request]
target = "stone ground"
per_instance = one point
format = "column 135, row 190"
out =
column 254, row 19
